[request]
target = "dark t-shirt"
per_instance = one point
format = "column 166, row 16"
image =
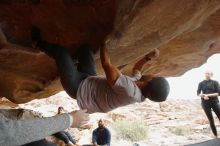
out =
column 101, row 136
column 208, row 87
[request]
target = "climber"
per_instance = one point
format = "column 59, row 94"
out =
column 97, row 93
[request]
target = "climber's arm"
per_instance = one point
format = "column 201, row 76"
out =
column 139, row 65
column 111, row 72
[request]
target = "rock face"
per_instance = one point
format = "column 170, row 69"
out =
column 186, row 33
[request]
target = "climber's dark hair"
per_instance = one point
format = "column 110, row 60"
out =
column 157, row 89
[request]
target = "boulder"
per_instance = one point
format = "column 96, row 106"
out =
column 185, row 32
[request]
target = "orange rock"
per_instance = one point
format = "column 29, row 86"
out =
column 186, row 34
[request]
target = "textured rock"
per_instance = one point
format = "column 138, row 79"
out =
column 186, row 33
column 6, row 104
column 26, row 73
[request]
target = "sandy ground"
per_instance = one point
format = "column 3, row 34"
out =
column 183, row 115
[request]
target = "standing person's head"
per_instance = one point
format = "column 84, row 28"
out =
column 100, row 123
column 60, row 110
column 208, row 75
column 155, row 88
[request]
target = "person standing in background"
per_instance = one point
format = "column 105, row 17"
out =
column 101, row 136
column 209, row 91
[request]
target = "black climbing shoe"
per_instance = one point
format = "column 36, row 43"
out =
column 35, row 34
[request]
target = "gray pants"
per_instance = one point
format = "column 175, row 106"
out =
column 70, row 75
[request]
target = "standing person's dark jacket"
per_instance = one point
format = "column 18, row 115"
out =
column 207, row 87
column 101, row 136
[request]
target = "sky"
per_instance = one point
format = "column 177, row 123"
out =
column 185, row 86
